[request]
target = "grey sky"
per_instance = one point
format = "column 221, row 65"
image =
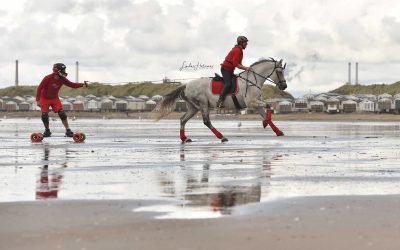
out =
column 122, row 40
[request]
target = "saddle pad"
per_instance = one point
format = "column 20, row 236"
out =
column 216, row 87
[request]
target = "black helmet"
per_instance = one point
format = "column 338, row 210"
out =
column 241, row 39
column 59, row 68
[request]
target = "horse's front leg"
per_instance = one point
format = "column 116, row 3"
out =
column 267, row 120
column 205, row 112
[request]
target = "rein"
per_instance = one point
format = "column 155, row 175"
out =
column 252, row 84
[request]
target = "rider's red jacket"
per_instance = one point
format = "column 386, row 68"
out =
column 50, row 86
column 233, row 58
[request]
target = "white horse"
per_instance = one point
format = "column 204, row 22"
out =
column 198, row 95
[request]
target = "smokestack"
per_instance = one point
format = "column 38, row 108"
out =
column 356, row 72
column 77, row 71
column 349, row 82
column 16, row 73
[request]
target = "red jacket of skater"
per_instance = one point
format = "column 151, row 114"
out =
column 51, row 84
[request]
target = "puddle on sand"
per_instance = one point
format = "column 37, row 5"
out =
column 141, row 159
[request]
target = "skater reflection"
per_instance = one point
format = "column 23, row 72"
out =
column 49, row 183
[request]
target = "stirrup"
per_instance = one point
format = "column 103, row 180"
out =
column 220, row 104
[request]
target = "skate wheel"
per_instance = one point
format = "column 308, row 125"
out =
column 36, row 137
column 83, row 137
column 79, row 137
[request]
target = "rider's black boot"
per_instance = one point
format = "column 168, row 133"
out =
column 224, row 92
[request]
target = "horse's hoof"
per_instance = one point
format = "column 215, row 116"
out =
column 186, row 140
column 280, row 134
column 224, row 139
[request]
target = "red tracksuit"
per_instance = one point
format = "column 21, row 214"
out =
column 47, row 92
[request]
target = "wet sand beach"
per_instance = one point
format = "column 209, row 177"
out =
column 346, row 222
column 132, row 185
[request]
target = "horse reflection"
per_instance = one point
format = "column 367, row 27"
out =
column 202, row 186
column 48, row 184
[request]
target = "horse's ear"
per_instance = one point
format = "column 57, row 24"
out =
column 280, row 62
column 284, row 66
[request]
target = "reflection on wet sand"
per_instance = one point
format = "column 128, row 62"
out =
column 48, row 184
column 203, row 190
column 140, row 159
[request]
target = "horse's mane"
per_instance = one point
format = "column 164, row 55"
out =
column 263, row 60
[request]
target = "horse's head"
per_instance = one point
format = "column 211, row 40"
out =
column 271, row 70
column 278, row 76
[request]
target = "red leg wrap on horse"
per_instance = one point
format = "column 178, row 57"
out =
column 182, row 134
column 216, row 133
column 267, row 118
column 274, row 128
column 268, row 121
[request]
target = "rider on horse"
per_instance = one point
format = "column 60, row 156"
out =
column 232, row 60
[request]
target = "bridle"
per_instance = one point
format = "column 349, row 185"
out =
column 250, row 83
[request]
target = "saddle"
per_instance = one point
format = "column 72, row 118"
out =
column 217, row 77
column 216, row 85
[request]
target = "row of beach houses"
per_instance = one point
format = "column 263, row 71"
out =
column 325, row 102
column 337, row 103
column 87, row 103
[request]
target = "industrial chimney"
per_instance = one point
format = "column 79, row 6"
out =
column 77, row 69
column 349, row 82
column 16, row 73
column 356, row 73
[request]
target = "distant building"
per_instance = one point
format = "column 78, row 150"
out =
column 397, row 105
column 180, row 106
column 93, row 105
column 349, row 106
column 78, row 106
column 150, row 105
column 332, row 105
column 106, row 105
column 121, row 105
column 284, row 107
column 301, row 104
column 317, row 106
column 24, row 106
column 67, row 106
column 166, row 80
column 384, row 105
column 136, row 104
column 366, row 106
column 10, row 106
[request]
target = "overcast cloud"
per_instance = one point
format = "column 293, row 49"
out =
column 118, row 41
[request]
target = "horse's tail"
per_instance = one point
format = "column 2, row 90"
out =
column 166, row 105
